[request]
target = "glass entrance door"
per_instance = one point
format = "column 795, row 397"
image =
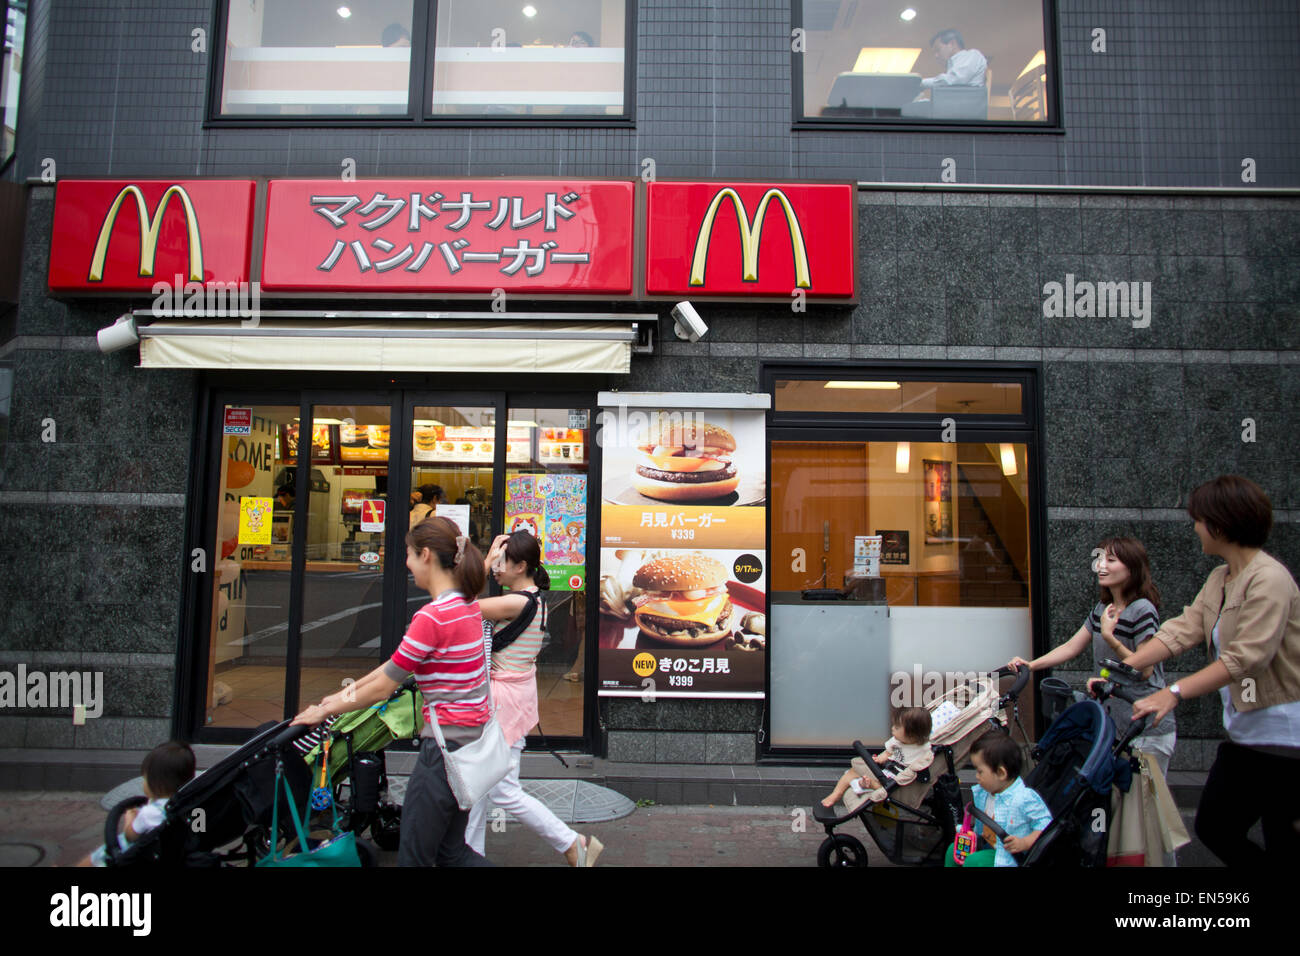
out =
column 314, row 497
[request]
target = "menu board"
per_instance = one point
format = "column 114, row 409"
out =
column 683, row 576
column 553, row 508
column 362, row 443
column 467, row 443
column 322, row 446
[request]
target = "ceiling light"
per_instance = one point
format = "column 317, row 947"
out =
column 903, row 457
column 344, row 12
column 530, row 11
column 909, row 14
column 883, row 386
column 1008, row 459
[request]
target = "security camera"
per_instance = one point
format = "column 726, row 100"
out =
column 687, row 322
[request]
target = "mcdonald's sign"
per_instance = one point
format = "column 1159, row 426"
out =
column 739, row 240
column 124, row 236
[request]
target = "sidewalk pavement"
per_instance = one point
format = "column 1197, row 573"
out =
column 49, row 828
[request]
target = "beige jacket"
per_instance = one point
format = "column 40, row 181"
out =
column 1259, row 633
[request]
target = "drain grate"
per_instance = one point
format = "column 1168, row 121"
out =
column 21, row 854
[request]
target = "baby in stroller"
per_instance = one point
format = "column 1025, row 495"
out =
column 908, row 749
column 165, row 769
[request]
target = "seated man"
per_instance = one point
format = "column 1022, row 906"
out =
column 964, row 67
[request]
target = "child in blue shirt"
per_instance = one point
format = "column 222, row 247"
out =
column 1000, row 793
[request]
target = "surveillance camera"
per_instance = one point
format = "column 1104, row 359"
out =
column 687, row 322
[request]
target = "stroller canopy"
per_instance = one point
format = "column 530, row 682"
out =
column 1088, row 722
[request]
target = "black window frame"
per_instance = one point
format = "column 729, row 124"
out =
column 7, row 162
column 1027, row 427
column 1053, row 124
column 419, row 112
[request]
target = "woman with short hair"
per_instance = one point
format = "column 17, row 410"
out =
column 1247, row 617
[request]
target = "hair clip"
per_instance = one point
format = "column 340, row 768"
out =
column 460, row 548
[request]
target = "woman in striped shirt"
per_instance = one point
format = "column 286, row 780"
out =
column 515, row 562
column 1127, row 616
column 443, row 648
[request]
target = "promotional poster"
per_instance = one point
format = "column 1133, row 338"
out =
column 553, row 508
column 683, row 575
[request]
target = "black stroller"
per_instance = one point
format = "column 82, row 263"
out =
column 223, row 816
column 1079, row 762
column 914, row 823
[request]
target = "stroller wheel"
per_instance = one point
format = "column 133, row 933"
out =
column 386, row 829
column 840, row 849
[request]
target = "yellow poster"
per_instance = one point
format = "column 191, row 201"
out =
column 255, row 520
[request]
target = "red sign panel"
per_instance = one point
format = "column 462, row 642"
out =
column 448, row 236
column 750, row 239
column 126, row 235
column 372, row 514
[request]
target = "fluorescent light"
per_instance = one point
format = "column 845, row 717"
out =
column 525, row 424
column 883, row 386
column 426, row 422
column 344, row 12
column 884, row 59
column 903, row 457
column 1038, row 59
column 1008, row 459
column 909, row 14
column 325, row 421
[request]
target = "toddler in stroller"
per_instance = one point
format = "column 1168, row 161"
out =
column 906, row 754
column 165, row 769
column 914, row 822
column 1011, row 816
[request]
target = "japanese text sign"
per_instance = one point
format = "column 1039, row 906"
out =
column 535, row 236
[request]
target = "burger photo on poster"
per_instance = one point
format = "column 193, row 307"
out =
column 684, row 600
column 687, row 460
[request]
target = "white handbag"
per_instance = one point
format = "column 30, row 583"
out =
column 474, row 769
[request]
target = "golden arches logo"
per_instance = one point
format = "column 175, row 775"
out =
column 751, row 234
column 149, row 229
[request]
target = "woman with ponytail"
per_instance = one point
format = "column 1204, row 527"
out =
column 515, row 562
column 443, row 648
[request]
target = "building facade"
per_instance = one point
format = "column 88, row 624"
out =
column 1080, row 291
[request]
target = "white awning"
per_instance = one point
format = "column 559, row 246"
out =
column 591, row 347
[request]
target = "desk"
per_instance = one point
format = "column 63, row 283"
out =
column 874, row 91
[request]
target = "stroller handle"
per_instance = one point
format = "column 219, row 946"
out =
column 287, row 733
column 1023, row 674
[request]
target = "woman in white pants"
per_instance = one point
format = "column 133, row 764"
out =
column 515, row 561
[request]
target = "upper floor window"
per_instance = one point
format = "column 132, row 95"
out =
column 418, row 60
column 954, row 61
column 11, row 72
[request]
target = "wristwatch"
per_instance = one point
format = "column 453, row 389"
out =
column 1176, row 691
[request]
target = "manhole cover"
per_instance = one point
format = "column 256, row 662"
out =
column 21, row 854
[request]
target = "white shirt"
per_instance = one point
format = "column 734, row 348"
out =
column 1277, row 726
column 965, row 68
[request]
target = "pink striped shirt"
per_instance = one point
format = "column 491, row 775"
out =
column 443, row 648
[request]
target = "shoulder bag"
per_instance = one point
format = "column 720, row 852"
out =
column 474, row 769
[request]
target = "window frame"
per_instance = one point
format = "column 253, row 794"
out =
column 419, row 90
column 1026, row 428
column 6, row 162
column 910, row 124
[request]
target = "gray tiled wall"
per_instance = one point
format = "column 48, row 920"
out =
column 1183, row 93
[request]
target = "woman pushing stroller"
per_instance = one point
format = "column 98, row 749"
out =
column 443, row 648
column 1126, row 617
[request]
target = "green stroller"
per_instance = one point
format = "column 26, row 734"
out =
column 348, row 753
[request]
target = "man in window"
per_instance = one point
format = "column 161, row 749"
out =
column 964, row 67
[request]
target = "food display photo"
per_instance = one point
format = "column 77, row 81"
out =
column 691, row 456
column 695, row 618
